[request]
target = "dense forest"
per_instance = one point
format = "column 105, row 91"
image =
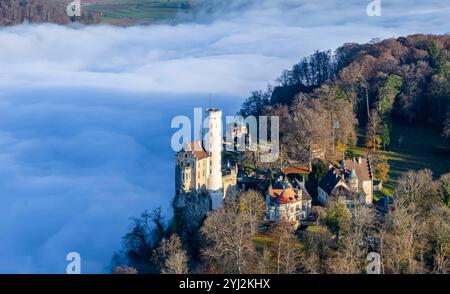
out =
column 328, row 99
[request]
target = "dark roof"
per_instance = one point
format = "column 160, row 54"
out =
column 330, row 180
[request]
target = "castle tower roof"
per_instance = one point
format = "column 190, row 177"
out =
column 353, row 175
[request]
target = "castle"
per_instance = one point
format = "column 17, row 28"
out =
column 202, row 178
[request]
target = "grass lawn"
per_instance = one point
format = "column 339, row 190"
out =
column 418, row 147
column 316, row 229
column 413, row 147
column 261, row 241
column 137, row 10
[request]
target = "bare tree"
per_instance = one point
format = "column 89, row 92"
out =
column 416, row 237
column 252, row 208
column 229, row 246
column 307, row 124
column 285, row 249
column 374, row 128
column 417, row 188
column 311, row 262
column 172, row 256
column 440, row 239
column 317, row 248
column 403, row 242
column 319, row 213
column 265, row 262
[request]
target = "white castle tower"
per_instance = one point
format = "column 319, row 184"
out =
column 214, row 139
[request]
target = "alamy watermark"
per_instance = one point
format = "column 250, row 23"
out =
column 74, row 8
column 74, row 265
column 374, row 265
column 374, row 8
column 242, row 134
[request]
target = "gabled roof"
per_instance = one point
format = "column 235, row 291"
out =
column 331, row 179
column 296, row 169
column 197, row 150
column 362, row 170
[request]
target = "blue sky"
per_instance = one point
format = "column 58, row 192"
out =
column 85, row 111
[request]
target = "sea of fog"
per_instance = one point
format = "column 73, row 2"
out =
column 85, row 136
column 76, row 164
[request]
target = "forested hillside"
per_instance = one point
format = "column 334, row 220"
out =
column 366, row 85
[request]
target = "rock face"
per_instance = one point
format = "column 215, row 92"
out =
column 191, row 209
column 53, row 11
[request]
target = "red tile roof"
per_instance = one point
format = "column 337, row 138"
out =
column 296, row 169
column 283, row 196
column 197, row 149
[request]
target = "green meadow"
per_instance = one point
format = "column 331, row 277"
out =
column 138, row 11
column 413, row 147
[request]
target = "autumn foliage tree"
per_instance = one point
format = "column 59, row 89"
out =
column 380, row 168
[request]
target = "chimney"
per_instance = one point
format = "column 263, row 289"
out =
column 343, row 165
column 359, row 159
